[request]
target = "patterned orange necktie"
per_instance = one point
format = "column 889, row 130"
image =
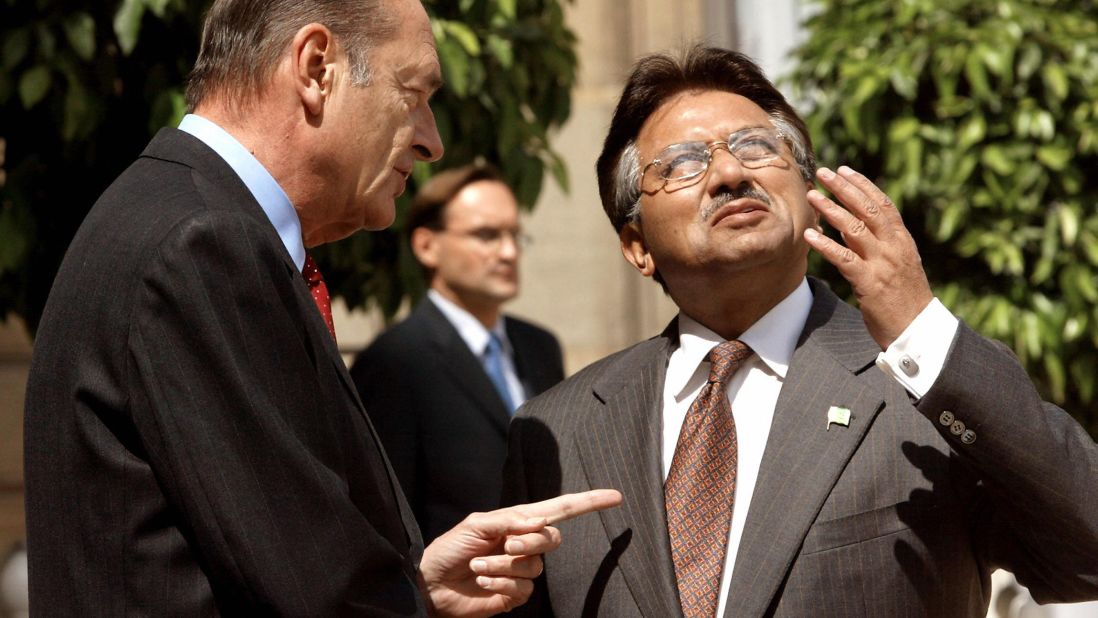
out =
column 319, row 290
column 701, row 485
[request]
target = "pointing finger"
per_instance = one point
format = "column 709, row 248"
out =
column 568, row 506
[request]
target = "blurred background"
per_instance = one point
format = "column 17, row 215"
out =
column 979, row 117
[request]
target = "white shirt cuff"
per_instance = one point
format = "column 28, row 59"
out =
column 916, row 357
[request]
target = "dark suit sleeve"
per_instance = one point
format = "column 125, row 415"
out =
column 387, row 396
column 1038, row 470
column 250, row 451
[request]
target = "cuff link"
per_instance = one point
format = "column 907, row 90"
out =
column 909, row 366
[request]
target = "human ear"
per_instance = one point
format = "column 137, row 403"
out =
column 313, row 55
column 425, row 247
column 635, row 250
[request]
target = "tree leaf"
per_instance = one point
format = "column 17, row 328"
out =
column 80, row 32
column 994, row 157
column 972, row 131
column 1056, row 81
column 16, row 240
column 455, row 66
column 16, row 46
column 1069, row 224
column 33, row 85
column 508, row 8
column 559, row 169
column 127, row 24
column 157, row 7
column 1054, row 157
column 502, row 50
column 464, row 35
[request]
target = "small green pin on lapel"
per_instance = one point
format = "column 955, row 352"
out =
column 839, row 416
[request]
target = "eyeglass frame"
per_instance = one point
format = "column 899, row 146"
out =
column 710, row 148
column 492, row 237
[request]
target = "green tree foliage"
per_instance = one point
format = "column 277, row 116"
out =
column 980, row 119
column 85, row 84
column 80, row 94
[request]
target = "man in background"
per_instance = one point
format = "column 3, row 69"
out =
column 442, row 385
column 194, row 444
column 783, row 453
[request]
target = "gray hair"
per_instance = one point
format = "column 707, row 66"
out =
column 242, row 41
column 627, row 173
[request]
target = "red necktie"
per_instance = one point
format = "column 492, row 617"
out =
column 701, row 485
column 319, row 291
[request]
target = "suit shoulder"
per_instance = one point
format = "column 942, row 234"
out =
column 580, row 387
column 397, row 345
column 526, row 326
column 518, row 328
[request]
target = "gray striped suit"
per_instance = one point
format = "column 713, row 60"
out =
column 890, row 516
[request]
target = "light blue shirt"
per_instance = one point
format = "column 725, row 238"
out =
column 475, row 336
column 272, row 199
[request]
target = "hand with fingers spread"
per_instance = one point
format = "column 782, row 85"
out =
column 879, row 259
column 486, row 564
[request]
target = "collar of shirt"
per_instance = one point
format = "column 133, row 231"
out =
column 471, row 330
column 773, row 338
column 272, row 199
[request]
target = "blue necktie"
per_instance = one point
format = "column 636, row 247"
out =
column 493, row 366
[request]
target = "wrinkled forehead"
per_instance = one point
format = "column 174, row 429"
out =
column 693, row 115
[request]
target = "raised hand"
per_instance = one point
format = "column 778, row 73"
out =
column 880, row 259
column 486, row 564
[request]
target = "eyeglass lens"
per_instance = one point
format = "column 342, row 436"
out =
column 754, row 147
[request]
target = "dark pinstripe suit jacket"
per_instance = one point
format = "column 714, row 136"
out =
column 890, row 516
column 194, row 444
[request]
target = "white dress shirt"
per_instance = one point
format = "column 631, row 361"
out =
column 753, row 390
column 476, row 337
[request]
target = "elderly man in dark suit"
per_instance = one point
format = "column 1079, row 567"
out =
column 442, row 385
column 194, row 444
column 782, row 453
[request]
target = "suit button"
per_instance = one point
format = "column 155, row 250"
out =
column 957, row 428
column 946, row 418
column 968, row 437
column 909, row 366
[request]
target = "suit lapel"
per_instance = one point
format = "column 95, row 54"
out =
column 620, row 448
column 318, row 331
column 463, row 367
column 178, row 146
column 803, row 459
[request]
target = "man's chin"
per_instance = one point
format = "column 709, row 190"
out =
column 379, row 215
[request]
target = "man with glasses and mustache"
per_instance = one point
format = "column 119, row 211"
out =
column 782, row 453
column 442, row 385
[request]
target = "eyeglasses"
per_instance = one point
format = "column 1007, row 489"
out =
column 492, row 238
column 679, row 164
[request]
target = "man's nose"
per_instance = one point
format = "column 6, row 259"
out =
column 427, row 143
column 725, row 170
column 510, row 245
